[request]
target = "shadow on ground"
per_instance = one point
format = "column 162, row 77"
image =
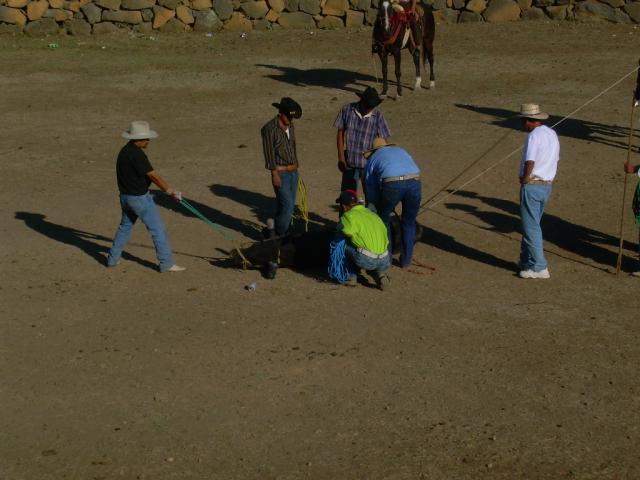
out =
column 333, row 78
column 611, row 135
column 579, row 240
column 81, row 239
column 263, row 207
column 234, row 225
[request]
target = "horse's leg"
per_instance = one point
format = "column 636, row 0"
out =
column 428, row 54
column 428, row 36
column 416, row 61
column 397, row 57
column 384, row 60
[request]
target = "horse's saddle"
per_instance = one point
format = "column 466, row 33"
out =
column 402, row 16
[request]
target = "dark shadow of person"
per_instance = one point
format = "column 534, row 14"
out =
column 214, row 215
column 76, row 238
column 580, row 240
column 263, row 207
column 333, row 78
column 449, row 244
column 611, row 135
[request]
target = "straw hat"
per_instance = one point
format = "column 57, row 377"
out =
column 139, row 131
column 378, row 142
column 532, row 110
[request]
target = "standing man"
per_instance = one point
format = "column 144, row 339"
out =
column 367, row 246
column 538, row 168
column 279, row 146
column 135, row 174
column 393, row 177
column 358, row 124
column 629, row 168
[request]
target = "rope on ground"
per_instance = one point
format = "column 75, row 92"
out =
column 303, row 207
column 338, row 269
column 467, row 168
column 491, row 167
column 218, row 228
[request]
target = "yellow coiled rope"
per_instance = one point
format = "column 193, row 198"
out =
column 303, row 205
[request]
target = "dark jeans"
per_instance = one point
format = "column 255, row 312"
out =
column 285, row 201
column 350, row 178
column 409, row 193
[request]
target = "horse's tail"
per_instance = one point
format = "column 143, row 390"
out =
column 428, row 32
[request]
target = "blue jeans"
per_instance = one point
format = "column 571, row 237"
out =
column 358, row 260
column 143, row 207
column 533, row 199
column 409, row 192
column 350, row 178
column 285, row 201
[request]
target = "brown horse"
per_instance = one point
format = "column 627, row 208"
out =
column 391, row 36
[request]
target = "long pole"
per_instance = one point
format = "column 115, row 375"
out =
column 636, row 96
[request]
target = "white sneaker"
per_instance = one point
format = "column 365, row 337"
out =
column 176, row 268
column 531, row 274
column 636, row 273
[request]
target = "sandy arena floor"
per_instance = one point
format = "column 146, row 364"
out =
column 462, row 372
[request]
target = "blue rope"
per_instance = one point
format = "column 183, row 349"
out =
column 338, row 268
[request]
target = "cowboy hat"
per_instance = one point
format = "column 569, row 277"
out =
column 532, row 111
column 378, row 142
column 139, row 131
column 370, row 97
column 289, row 107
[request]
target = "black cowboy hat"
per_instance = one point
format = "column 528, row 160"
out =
column 289, row 107
column 370, row 97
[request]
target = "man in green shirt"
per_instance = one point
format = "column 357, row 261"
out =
column 368, row 244
column 631, row 169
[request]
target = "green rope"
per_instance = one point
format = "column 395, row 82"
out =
column 217, row 227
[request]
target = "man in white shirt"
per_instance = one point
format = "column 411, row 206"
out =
column 631, row 169
column 537, row 171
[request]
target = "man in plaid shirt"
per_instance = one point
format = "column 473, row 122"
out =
column 358, row 124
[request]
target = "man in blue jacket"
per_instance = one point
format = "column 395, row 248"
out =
column 392, row 177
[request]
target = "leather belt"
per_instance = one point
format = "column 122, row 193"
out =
column 400, row 178
column 369, row 254
column 287, row 168
column 537, row 181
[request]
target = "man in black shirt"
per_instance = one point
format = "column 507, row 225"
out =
column 135, row 174
column 279, row 147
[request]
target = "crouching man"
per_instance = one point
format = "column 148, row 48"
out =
column 367, row 244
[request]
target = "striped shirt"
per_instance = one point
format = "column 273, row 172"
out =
column 360, row 132
column 278, row 147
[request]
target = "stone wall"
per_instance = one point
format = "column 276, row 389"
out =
column 84, row 17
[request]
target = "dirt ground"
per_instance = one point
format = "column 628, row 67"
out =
column 461, row 372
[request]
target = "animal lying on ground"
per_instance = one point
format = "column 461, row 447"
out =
column 302, row 250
